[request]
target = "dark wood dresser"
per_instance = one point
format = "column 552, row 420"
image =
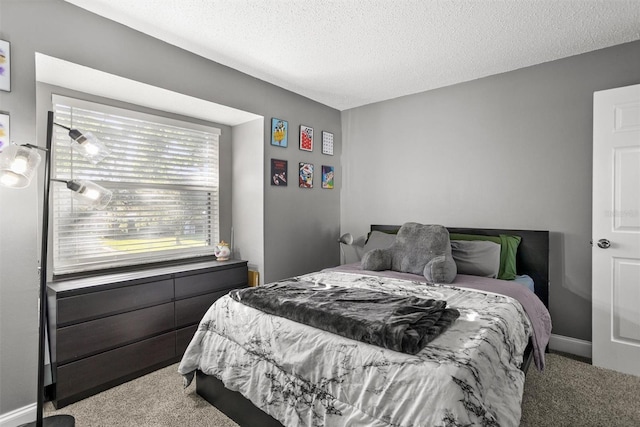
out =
column 110, row 329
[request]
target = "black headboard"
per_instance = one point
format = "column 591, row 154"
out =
column 532, row 257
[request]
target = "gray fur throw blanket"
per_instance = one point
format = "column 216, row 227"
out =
column 400, row 323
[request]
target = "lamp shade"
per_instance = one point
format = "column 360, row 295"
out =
column 18, row 164
column 90, row 193
column 89, row 146
column 346, row 238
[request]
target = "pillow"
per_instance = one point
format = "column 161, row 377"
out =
column 526, row 281
column 379, row 240
column 508, row 250
column 417, row 249
column 353, row 252
column 476, row 257
column 394, row 232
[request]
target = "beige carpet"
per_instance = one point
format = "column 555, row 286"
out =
column 574, row 393
column 568, row 393
column 155, row 400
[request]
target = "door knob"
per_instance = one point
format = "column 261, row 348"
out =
column 604, row 244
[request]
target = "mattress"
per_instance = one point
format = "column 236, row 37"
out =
column 302, row 376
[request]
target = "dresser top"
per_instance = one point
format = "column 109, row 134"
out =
column 156, row 273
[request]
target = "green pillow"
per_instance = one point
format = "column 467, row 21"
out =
column 508, row 250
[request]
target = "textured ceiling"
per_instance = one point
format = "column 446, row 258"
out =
column 348, row 53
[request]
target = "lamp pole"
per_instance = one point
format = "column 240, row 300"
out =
column 17, row 166
column 57, row 420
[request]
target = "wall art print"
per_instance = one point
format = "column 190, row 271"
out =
column 279, row 132
column 306, row 138
column 327, row 143
column 5, row 66
column 4, row 131
column 327, row 177
column 279, row 172
column 306, row 175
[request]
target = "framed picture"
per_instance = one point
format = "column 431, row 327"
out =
column 279, row 132
column 5, row 66
column 327, row 177
column 279, row 172
column 306, row 175
column 306, row 138
column 4, row 130
column 327, row 143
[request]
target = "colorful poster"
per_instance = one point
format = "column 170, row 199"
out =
column 5, row 66
column 306, row 175
column 327, row 143
column 279, row 132
column 4, row 130
column 327, row 177
column 279, row 172
column 306, row 138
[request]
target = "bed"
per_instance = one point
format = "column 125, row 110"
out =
column 252, row 365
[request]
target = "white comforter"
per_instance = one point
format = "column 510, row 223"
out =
column 303, row 376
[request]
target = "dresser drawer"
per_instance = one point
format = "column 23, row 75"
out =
column 97, row 304
column 92, row 374
column 183, row 338
column 98, row 335
column 112, row 328
column 191, row 310
column 203, row 283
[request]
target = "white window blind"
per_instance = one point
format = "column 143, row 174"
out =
column 164, row 178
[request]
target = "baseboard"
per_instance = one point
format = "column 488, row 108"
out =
column 570, row 345
column 20, row 416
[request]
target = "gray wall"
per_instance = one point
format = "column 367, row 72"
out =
column 512, row 150
column 248, row 194
column 293, row 243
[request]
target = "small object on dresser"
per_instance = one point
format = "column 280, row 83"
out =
column 254, row 278
column 222, row 251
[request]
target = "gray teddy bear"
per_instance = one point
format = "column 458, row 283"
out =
column 418, row 249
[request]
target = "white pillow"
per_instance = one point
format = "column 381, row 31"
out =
column 476, row 257
column 379, row 240
column 353, row 252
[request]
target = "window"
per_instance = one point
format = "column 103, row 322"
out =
column 164, row 178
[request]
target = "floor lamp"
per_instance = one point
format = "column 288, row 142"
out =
column 18, row 165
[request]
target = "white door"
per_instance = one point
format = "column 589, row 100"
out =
column 616, row 229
